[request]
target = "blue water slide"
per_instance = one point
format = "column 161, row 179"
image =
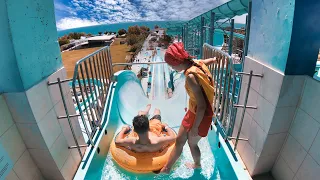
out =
column 127, row 98
column 131, row 98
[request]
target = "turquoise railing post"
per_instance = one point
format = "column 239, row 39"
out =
column 182, row 34
column 187, row 34
column 231, row 37
column 211, row 34
column 193, row 41
column 201, row 36
column 197, row 41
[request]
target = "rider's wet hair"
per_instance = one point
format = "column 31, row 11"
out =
column 141, row 124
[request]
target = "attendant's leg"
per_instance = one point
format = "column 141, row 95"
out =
column 177, row 150
column 195, row 151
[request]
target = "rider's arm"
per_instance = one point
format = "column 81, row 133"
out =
column 169, row 138
column 121, row 139
column 209, row 61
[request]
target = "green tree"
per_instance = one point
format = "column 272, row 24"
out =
column 75, row 35
column 122, row 31
column 136, row 47
column 63, row 41
column 134, row 30
column 132, row 39
column 144, row 29
column 166, row 40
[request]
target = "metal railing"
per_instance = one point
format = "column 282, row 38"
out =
column 90, row 85
column 225, row 82
column 227, row 89
column 130, row 64
column 91, row 80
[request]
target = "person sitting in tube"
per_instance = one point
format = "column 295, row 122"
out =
column 146, row 135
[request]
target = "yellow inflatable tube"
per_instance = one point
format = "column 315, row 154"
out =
column 140, row 162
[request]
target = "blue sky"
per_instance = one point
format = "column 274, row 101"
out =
column 79, row 13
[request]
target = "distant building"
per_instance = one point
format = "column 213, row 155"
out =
column 104, row 40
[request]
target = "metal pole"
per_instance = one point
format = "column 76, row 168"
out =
column 178, row 37
column 211, row 34
column 233, row 110
column 95, row 98
column 110, row 62
column 149, row 63
column 90, row 118
column 244, row 110
column 81, row 113
column 68, row 117
column 201, row 36
column 231, row 37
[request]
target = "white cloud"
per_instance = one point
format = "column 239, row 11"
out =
column 59, row 6
column 92, row 12
column 73, row 22
column 240, row 19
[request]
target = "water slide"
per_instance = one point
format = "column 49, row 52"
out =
column 132, row 98
column 159, row 86
column 172, row 110
column 126, row 98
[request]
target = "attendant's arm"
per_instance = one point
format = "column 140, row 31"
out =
column 200, row 100
column 209, row 61
column 121, row 139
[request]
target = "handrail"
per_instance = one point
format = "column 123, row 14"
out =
column 90, row 86
column 226, row 97
column 224, row 77
column 125, row 64
column 85, row 58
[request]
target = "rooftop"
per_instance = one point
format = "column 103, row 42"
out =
column 102, row 38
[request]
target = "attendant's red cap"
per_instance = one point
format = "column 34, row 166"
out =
column 176, row 54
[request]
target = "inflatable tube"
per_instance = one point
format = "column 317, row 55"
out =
column 140, row 162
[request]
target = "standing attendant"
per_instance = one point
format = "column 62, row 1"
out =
column 199, row 86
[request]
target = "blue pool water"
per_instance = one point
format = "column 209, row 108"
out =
column 215, row 165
